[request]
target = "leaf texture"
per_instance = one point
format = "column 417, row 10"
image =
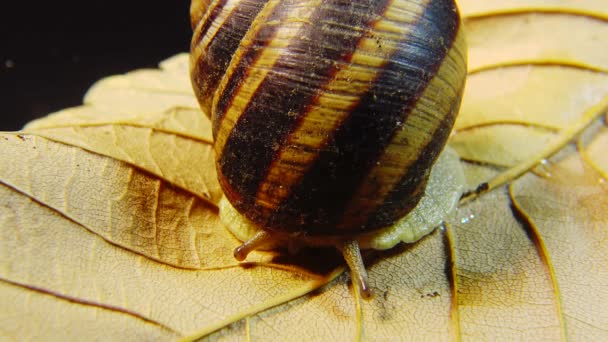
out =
column 47, row 253
column 108, row 211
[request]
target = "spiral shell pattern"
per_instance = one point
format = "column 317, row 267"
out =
column 327, row 114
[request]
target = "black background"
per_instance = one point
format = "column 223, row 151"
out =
column 51, row 52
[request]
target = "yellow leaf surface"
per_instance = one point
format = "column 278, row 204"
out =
column 145, row 91
column 124, row 205
column 496, row 295
column 47, row 252
column 476, row 8
column 573, row 242
column 28, row 322
column 537, row 38
column 109, row 227
column 522, row 95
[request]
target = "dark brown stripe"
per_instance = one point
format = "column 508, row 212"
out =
column 318, row 202
column 197, row 11
column 213, row 62
column 253, row 50
column 410, row 188
column 215, row 11
column 282, row 98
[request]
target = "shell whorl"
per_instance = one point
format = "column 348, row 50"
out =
column 327, row 115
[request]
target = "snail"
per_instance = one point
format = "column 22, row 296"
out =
column 329, row 118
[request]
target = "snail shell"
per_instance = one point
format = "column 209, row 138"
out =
column 327, row 114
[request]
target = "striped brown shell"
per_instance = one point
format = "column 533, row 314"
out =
column 327, row 114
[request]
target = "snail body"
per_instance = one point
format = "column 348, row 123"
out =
column 327, row 115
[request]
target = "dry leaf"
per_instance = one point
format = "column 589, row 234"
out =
column 110, row 230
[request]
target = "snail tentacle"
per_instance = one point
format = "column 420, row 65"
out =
column 352, row 255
